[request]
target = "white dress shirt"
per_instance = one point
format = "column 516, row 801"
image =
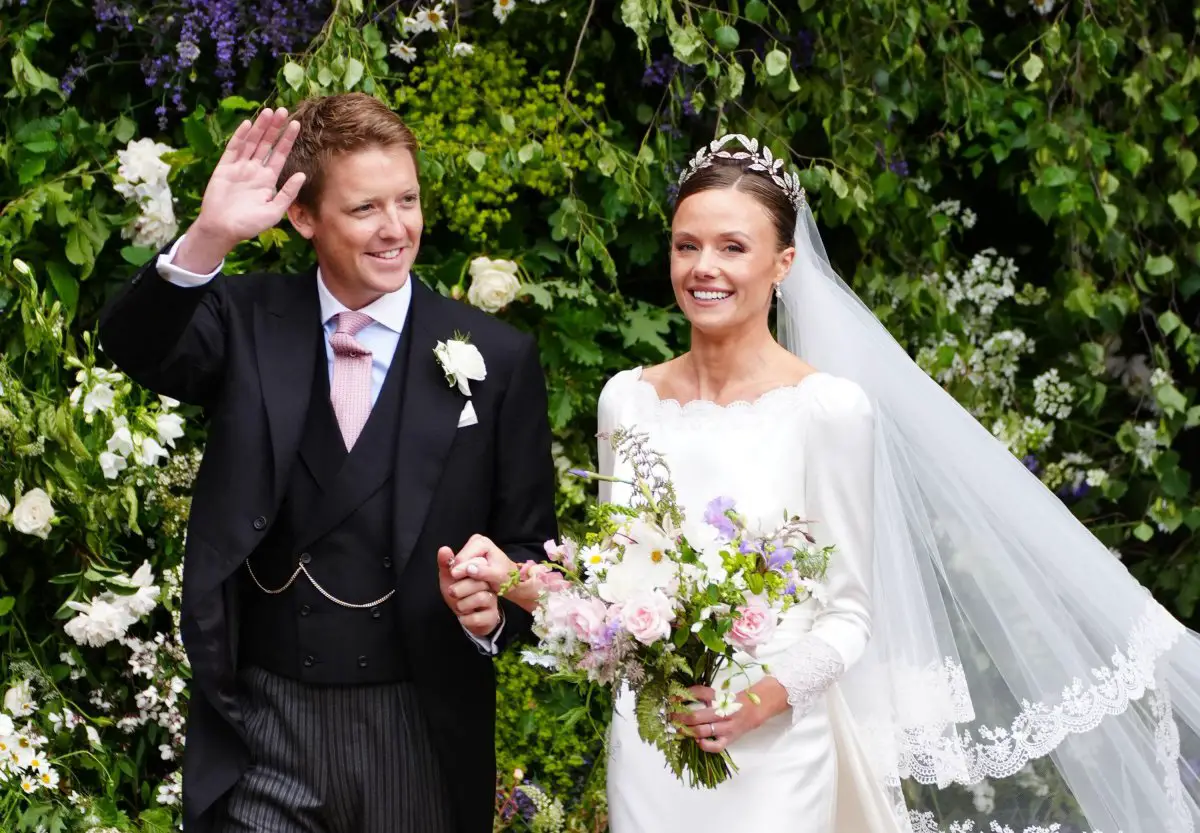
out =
column 389, row 313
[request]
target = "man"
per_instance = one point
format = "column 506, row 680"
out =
column 342, row 677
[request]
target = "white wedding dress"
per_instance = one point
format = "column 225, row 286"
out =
column 802, row 771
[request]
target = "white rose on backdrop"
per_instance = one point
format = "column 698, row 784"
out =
column 169, row 427
column 141, row 161
column 111, row 465
column 5, row 507
column 461, row 362
column 18, row 700
column 494, row 284
column 33, row 513
column 157, row 225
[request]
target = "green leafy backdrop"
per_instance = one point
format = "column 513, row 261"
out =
column 1011, row 186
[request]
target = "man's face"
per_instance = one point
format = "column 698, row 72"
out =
column 367, row 225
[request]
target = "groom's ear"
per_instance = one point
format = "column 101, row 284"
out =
column 302, row 220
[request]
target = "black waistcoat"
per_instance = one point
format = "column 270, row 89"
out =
column 299, row 633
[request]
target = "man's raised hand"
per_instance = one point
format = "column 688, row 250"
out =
column 240, row 200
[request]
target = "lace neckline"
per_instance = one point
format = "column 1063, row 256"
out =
column 707, row 405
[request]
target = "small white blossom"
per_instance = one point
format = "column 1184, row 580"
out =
column 1042, row 7
column 121, row 442
column 463, row 49
column 432, row 20
column 503, row 8
column 403, row 51
column 99, row 398
column 169, row 427
column 726, row 704
column 151, row 452
column 18, row 700
column 111, row 465
column 1052, row 396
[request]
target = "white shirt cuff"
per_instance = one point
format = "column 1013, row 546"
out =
column 487, row 645
column 182, row 277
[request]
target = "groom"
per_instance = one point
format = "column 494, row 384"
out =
column 343, row 680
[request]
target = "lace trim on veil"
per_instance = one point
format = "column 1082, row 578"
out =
column 935, row 752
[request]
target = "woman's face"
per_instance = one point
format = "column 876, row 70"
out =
column 725, row 260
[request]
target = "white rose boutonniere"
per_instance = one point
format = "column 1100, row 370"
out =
column 461, row 361
column 33, row 513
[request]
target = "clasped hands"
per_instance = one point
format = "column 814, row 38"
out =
column 470, row 580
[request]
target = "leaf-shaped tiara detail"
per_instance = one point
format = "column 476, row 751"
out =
column 763, row 162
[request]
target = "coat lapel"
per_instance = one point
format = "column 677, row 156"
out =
column 286, row 342
column 428, row 421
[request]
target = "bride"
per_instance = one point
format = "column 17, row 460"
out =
column 981, row 662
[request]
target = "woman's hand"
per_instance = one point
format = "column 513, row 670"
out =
column 714, row 732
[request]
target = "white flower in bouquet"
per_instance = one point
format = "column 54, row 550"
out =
column 169, row 427
column 33, row 514
column 726, row 704
column 645, row 562
column 5, row 507
column 18, row 700
column 7, row 727
column 111, row 464
column 98, row 622
column 494, row 284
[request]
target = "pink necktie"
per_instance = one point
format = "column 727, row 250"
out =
column 350, row 393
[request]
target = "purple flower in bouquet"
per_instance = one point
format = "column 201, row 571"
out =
column 717, row 515
column 779, row 558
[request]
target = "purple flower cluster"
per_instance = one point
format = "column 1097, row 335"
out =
column 896, row 164
column 716, row 514
column 175, row 36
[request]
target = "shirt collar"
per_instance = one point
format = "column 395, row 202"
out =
column 390, row 310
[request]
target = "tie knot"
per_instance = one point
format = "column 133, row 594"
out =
column 350, row 323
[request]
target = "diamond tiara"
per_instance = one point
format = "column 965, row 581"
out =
column 763, row 162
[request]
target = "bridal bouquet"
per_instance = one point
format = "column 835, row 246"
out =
column 637, row 602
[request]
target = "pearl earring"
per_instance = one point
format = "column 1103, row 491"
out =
column 778, row 293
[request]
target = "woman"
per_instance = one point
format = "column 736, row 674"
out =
column 975, row 633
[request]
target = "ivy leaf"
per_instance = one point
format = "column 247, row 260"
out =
column 1033, row 68
column 354, row 73
column 727, row 38
column 1058, row 175
column 65, row 286
column 293, row 73
column 1143, row 532
column 838, row 184
column 1181, row 204
column 686, row 42
column 776, row 62
column 1168, row 322
column 1187, row 163
column 732, row 83
column 756, row 11
column 6, row 605
column 1159, row 265
column 477, row 159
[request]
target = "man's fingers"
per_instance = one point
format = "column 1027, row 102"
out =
column 283, row 147
column 445, row 556
column 270, row 135
column 467, row 587
column 480, row 623
column 235, row 144
column 481, row 600
column 255, row 134
column 288, row 193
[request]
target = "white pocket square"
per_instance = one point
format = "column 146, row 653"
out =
column 467, row 417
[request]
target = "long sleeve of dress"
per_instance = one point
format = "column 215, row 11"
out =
column 839, row 483
column 606, row 420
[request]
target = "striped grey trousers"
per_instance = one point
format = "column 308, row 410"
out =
column 335, row 759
